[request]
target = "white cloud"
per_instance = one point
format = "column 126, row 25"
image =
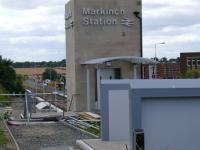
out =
column 182, row 29
column 37, row 39
column 173, row 21
column 30, row 54
column 32, row 27
column 28, row 28
column 30, row 4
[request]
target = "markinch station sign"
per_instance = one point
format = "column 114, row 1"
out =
column 105, row 16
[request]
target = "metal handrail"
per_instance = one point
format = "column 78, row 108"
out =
column 83, row 123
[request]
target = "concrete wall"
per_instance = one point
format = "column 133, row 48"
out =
column 85, row 42
column 95, row 41
column 70, row 53
column 167, row 110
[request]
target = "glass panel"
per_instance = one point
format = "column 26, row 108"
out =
column 117, row 73
column 194, row 62
column 189, row 62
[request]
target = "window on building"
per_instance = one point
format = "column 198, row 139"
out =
column 194, row 62
column 117, row 73
column 198, row 62
column 189, row 62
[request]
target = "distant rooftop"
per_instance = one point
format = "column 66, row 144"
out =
column 192, row 53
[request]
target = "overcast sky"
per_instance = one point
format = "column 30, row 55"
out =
column 33, row 30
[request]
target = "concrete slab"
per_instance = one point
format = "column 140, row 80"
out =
column 57, row 148
column 98, row 144
column 39, row 114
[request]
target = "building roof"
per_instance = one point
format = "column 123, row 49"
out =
column 131, row 59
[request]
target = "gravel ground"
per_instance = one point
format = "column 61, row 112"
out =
column 40, row 136
column 53, row 136
column 18, row 108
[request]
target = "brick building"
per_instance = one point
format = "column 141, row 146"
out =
column 189, row 61
column 168, row 70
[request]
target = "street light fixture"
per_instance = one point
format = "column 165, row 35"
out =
column 155, row 67
column 156, row 48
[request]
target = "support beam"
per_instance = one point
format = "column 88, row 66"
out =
column 98, row 87
column 134, row 71
column 88, row 88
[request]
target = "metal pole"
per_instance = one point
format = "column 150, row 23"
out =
column 155, row 52
column 36, row 86
column 43, row 90
column 55, row 91
column 155, row 66
column 64, row 108
column 134, row 71
column 155, row 69
column 64, row 102
column 50, row 74
column 25, row 94
column 27, row 111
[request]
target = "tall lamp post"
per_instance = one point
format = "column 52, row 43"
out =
column 155, row 68
column 139, row 16
column 156, row 48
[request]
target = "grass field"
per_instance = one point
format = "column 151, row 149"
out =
column 3, row 138
column 38, row 71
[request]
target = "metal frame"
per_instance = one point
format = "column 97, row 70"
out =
column 28, row 93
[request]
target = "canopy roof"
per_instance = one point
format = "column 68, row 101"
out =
column 131, row 59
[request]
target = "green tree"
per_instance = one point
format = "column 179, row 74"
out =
column 163, row 60
column 62, row 78
column 192, row 74
column 50, row 74
column 4, row 100
column 27, row 64
column 19, row 84
column 173, row 60
column 8, row 78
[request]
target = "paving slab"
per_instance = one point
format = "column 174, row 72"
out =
column 57, row 148
column 98, row 144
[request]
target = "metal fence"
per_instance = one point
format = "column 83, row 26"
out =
column 31, row 100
